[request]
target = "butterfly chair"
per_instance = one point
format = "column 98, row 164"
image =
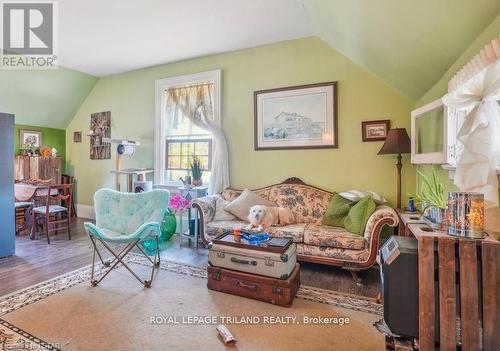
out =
column 126, row 218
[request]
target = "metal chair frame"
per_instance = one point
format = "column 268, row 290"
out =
column 119, row 258
column 117, row 217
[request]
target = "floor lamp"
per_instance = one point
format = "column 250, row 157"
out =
column 397, row 143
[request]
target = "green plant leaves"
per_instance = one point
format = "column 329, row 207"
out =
column 431, row 191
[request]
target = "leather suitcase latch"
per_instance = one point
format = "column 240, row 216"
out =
column 277, row 290
column 269, row 262
column 221, row 254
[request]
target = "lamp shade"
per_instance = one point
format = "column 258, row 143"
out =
column 397, row 142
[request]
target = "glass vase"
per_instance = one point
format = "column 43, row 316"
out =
column 168, row 226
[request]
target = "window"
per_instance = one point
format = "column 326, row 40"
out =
column 180, row 153
column 177, row 139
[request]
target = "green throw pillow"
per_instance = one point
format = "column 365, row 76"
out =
column 355, row 221
column 337, row 211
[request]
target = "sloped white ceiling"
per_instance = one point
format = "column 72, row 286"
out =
column 409, row 44
column 114, row 36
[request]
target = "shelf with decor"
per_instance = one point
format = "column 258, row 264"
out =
column 38, row 167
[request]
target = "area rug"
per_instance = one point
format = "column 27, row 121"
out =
column 178, row 313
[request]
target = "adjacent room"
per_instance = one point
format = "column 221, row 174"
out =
column 250, row 175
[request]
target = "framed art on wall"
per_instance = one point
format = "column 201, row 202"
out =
column 299, row 117
column 77, row 137
column 375, row 130
column 30, row 138
column 100, row 128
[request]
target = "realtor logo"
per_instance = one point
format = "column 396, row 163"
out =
column 28, row 34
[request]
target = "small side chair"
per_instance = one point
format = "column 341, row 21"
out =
column 51, row 214
column 126, row 218
column 22, row 215
column 67, row 179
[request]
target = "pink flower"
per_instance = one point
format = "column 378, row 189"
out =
column 177, row 203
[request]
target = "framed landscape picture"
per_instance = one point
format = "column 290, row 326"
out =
column 375, row 130
column 300, row 117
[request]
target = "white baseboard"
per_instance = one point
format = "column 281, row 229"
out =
column 85, row 211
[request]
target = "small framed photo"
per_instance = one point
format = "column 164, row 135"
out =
column 375, row 130
column 30, row 139
column 77, row 137
column 298, row 117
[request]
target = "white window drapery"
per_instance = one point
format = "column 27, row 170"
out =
column 480, row 132
column 195, row 102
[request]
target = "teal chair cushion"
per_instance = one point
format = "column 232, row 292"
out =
column 126, row 217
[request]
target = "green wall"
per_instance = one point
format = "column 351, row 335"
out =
column 361, row 96
column 48, row 97
column 441, row 87
column 51, row 137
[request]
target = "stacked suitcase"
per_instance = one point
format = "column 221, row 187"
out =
column 262, row 272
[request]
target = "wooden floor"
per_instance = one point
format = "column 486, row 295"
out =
column 35, row 261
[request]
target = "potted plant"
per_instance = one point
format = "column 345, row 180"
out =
column 28, row 148
column 432, row 199
column 196, row 171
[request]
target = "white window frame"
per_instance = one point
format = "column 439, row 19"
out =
column 452, row 148
column 161, row 85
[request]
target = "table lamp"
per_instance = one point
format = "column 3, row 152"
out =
column 397, row 143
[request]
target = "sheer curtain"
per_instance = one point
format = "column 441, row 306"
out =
column 196, row 103
column 480, row 133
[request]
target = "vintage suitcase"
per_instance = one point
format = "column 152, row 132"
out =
column 276, row 291
column 270, row 261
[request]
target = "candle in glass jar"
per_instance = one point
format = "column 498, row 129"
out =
column 466, row 214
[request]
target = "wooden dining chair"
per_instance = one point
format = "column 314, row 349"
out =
column 22, row 215
column 67, row 179
column 52, row 215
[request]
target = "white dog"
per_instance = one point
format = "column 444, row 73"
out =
column 261, row 217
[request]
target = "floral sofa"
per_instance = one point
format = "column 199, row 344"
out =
column 315, row 242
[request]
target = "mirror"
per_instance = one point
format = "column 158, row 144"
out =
column 429, row 134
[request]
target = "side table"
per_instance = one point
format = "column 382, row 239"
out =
column 458, row 277
column 191, row 193
column 406, row 218
column 186, row 233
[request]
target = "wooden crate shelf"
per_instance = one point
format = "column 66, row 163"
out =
column 468, row 290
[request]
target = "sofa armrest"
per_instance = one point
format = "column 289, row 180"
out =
column 383, row 215
column 206, row 206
